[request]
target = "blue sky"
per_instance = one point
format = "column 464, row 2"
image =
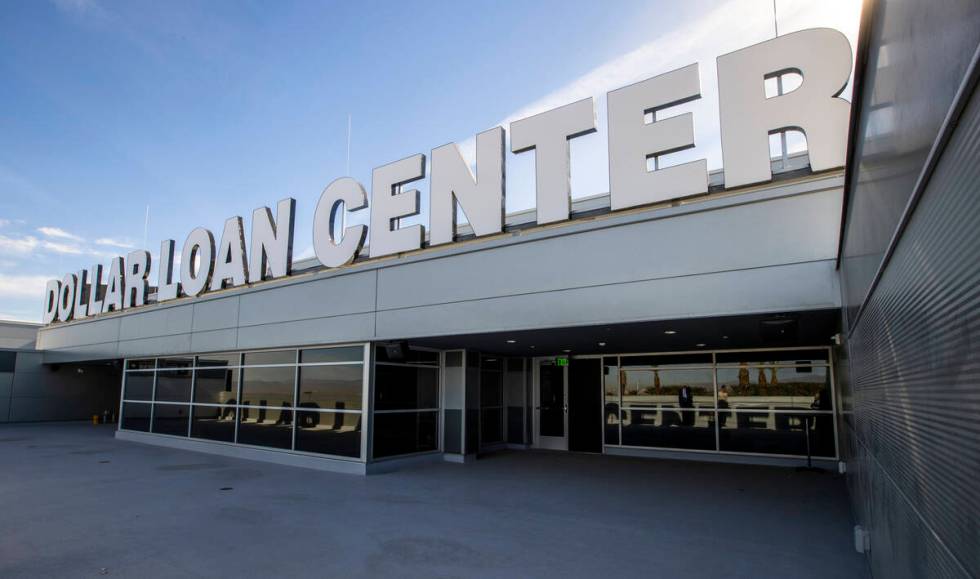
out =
column 206, row 110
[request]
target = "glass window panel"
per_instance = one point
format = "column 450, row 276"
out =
column 782, row 357
column 491, row 425
column 777, row 433
column 775, row 388
column 491, row 388
column 173, row 385
column 345, row 354
column 405, row 387
column 173, row 363
column 219, row 360
column 329, row 432
column 135, row 416
column 405, row 433
column 274, row 357
column 610, row 380
column 170, row 419
column 669, row 428
column 492, row 363
column 268, row 386
column 147, row 364
column 666, row 360
column 667, row 388
column 331, row 387
column 266, row 427
column 213, row 423
column 216, row 385
column 8, row 361
column 139, row 386
column 408, row 355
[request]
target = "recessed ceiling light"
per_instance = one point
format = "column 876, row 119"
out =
column 701, row 345
column 601, row 344
column 511, row 341
column 670, row 332
column 724, row 337
column 532, row 347
column 566, row 351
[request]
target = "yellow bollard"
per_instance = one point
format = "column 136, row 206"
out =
column 95, row 419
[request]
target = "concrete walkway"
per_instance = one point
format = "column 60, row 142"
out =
column 75, row 502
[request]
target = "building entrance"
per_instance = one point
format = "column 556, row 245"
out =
column 550, row 404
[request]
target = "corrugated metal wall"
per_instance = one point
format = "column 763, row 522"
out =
column 911, row 389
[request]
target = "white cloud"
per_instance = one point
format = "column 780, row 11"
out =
column 120, row 243
column 23, row 286
column 62, row 248
column 4, row 222
column 18, row 245
column 58, row 232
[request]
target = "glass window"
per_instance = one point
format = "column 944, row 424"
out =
column 816, row 356
column 139, row 386
column 405, row 433
column 405, row 387
column 173, row 385
column 331, row 387
column 135, row 416
column 219, row 360
column 271, row 427
column 491, row 425
column 147, row 364
column 213, row 423
column 216, row 385
column 776, row 432
column 610, row 380
column 663, row 360
column 170, row 419
column 274, row 357
column 402, row 354
column 775, row 388
column 669, row 428
column 329, row 432
column 268, row 386
column 174, row 363
column 319, row 355
column 667, row 388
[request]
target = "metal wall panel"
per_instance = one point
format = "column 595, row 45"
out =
column 919, row 52
column 914, row 380
column 766, row 248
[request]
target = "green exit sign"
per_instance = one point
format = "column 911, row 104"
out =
column 561, row 361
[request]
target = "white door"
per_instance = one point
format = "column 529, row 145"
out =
column 550, row 404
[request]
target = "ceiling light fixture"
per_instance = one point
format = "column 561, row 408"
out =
column 701, row 345
column 601, row 344
column 670, row 332
column 566, row 351
column 511, row 341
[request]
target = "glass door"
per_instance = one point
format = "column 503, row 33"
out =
column 550, row 404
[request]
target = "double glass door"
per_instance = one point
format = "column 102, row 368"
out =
column 550, row 404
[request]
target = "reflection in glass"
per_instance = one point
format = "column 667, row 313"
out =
column 271, row 427
column 219, row 360
column 268, row 386
column 610, row 387
column 213, row 423
column 491, row 425
column 669, row 428
column 670, row 388
column 216, row 386
column 170, row 419
column 665, row 360
column 273, row 357
column 551, row 388
column 174, row 363
column 408, row 355
column 135, row 417
column 404, row 433
column 770, row 357
column 778, row 433
column 346, row 354
column 139, row 386
column 405, row 387
column 331, row 387
column 329, row 432
column 776, row 388
column 173, row 385
column 147, row 364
